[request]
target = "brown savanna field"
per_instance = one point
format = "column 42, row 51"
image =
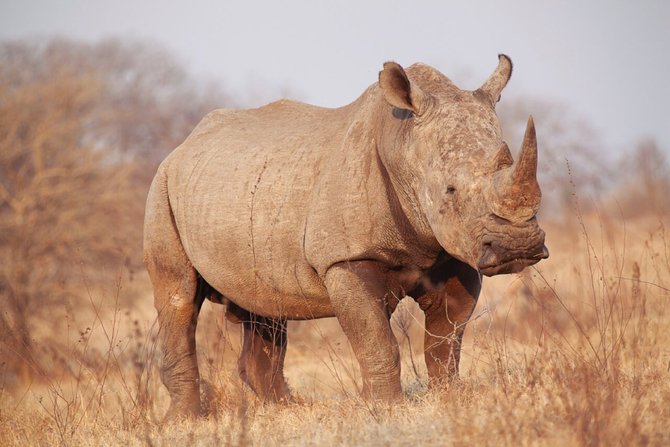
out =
column 573, row 351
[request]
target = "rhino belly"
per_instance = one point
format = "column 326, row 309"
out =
column 243, row 231
column 269, row 281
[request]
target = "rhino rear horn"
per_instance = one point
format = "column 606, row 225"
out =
column 498, row 80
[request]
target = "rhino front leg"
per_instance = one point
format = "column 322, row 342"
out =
column 358, row 295
column 261, row 362
column 448, row 307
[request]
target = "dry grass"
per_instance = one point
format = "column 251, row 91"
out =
column 573, row 352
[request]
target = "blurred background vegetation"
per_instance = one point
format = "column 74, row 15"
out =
column 83, row 127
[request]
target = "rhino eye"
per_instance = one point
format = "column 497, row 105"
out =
column 451, row 189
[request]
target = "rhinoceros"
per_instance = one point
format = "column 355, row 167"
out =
column 292, row 211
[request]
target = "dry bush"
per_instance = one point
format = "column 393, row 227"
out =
column 82, row 128
column 60, row 201
column 644, row 186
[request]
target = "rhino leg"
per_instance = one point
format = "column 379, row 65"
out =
column 447, row 305
column 177, row 317
column 261, row 362
column 358, row 295
column 177, row 299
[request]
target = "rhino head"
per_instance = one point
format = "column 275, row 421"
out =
column 447, row 157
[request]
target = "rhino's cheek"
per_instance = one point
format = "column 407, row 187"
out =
column 452, row 223
column 458, row 242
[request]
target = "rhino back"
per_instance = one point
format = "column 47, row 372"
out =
column 240, row 188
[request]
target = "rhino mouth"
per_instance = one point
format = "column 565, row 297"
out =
column 492, row 262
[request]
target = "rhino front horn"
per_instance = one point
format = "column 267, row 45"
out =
column 519, row 193
column 525, row 169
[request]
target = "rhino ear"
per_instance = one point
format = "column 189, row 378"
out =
column 498, row 80
column 399, row 91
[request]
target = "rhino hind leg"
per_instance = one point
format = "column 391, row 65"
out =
column 177, row 320
column 178, row 304
column 178, row 296
column 261, row 362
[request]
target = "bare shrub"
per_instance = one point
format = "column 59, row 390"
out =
column 82, row 128
column 58, row 199
column 644, row 187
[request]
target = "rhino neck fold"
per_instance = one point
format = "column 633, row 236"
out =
column 401, row 182
column 407, row 213
column 359, row 209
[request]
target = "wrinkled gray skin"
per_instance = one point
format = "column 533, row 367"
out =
column 291, row 211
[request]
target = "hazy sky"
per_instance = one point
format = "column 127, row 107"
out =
column 609, row 61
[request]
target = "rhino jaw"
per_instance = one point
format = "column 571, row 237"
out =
column 491, row 263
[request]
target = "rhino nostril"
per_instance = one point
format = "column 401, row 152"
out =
column 487, row 242
column 488, row 247
column 488, row 255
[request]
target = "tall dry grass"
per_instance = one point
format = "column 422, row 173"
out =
column 572, row 352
